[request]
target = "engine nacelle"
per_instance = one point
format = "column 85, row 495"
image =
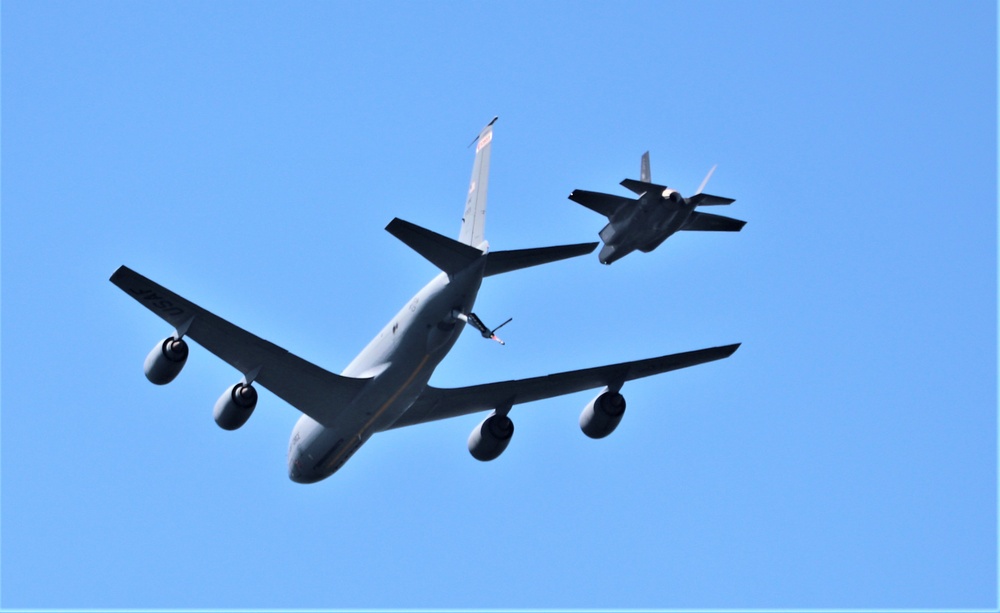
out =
column 489, row 439
column 166, row 360
column 603, row 414
column 235, row 405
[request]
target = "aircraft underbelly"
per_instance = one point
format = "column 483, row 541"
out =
column 405, row 361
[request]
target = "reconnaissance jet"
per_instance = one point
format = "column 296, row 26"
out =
column 658, row 212
column 386, row 386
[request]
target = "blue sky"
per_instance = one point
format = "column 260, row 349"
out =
column 248, row 156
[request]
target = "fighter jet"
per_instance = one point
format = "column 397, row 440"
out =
column 659, row 211
column 387, row 385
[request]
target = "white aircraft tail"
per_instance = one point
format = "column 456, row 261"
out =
column 474, row 217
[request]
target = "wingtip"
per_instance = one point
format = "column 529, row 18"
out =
column 117, row 273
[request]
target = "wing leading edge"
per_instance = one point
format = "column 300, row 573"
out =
column 316, row 392
column 436, row 403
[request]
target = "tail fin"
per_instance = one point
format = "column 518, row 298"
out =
column 474, row 218
column 707, row 222
column 644, row 175
column 447, row 254
column 499, row 262
column 702, row 199
column 705, row 181
column 641, row 187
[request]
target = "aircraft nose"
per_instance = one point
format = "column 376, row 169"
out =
column 299, row 474
column 294, row 470
column 297, row 470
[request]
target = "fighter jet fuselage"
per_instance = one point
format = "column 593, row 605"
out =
column 644, row 226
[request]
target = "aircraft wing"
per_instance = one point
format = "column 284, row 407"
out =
column 316, row 392
column 707, row 222
column 605, row 204
column 436, row 403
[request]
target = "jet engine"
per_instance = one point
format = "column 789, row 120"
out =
column 603, row 414
column 489, row 439
column 673, row 196
column 235, row 405
column 166, row 360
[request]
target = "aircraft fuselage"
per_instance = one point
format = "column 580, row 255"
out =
column 643, row 226
column 399, row 361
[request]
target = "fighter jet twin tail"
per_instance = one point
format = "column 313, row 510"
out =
column 387, row 385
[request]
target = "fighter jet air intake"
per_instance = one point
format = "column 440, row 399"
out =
column 643, row 223
column 388, row 384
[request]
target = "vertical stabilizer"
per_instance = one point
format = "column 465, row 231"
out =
column 474, row 218
column 705, row 182
column 644, row 175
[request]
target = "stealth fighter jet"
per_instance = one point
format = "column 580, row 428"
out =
column 659, row 211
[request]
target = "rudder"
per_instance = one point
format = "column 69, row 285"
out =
column 474, row 217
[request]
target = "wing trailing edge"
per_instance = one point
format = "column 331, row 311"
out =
column 436, row 403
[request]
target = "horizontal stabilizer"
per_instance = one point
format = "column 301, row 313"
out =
column 605, row 204
column 641, row 187
column 498, row 262
column 447, row 254
column 706, row 222
column 709, row 200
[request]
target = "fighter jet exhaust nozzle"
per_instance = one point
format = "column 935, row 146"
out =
column 490, row 438
column 602, row 414
column 235, row 406
column 673, row 196
column 166, row 360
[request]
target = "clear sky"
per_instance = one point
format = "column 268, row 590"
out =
column 248, row 155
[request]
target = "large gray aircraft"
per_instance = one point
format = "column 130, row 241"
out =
column 643, row 223
column 386, row 385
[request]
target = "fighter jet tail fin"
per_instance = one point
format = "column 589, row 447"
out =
column 709, row 200
column 449, row 255
column 706, row 222
column 641, row 187
column 605, row 204
column 644, row 174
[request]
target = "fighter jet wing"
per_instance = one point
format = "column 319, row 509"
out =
column 314, row 391
column 707, row 222
column 436, row 403
column 605, row 204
